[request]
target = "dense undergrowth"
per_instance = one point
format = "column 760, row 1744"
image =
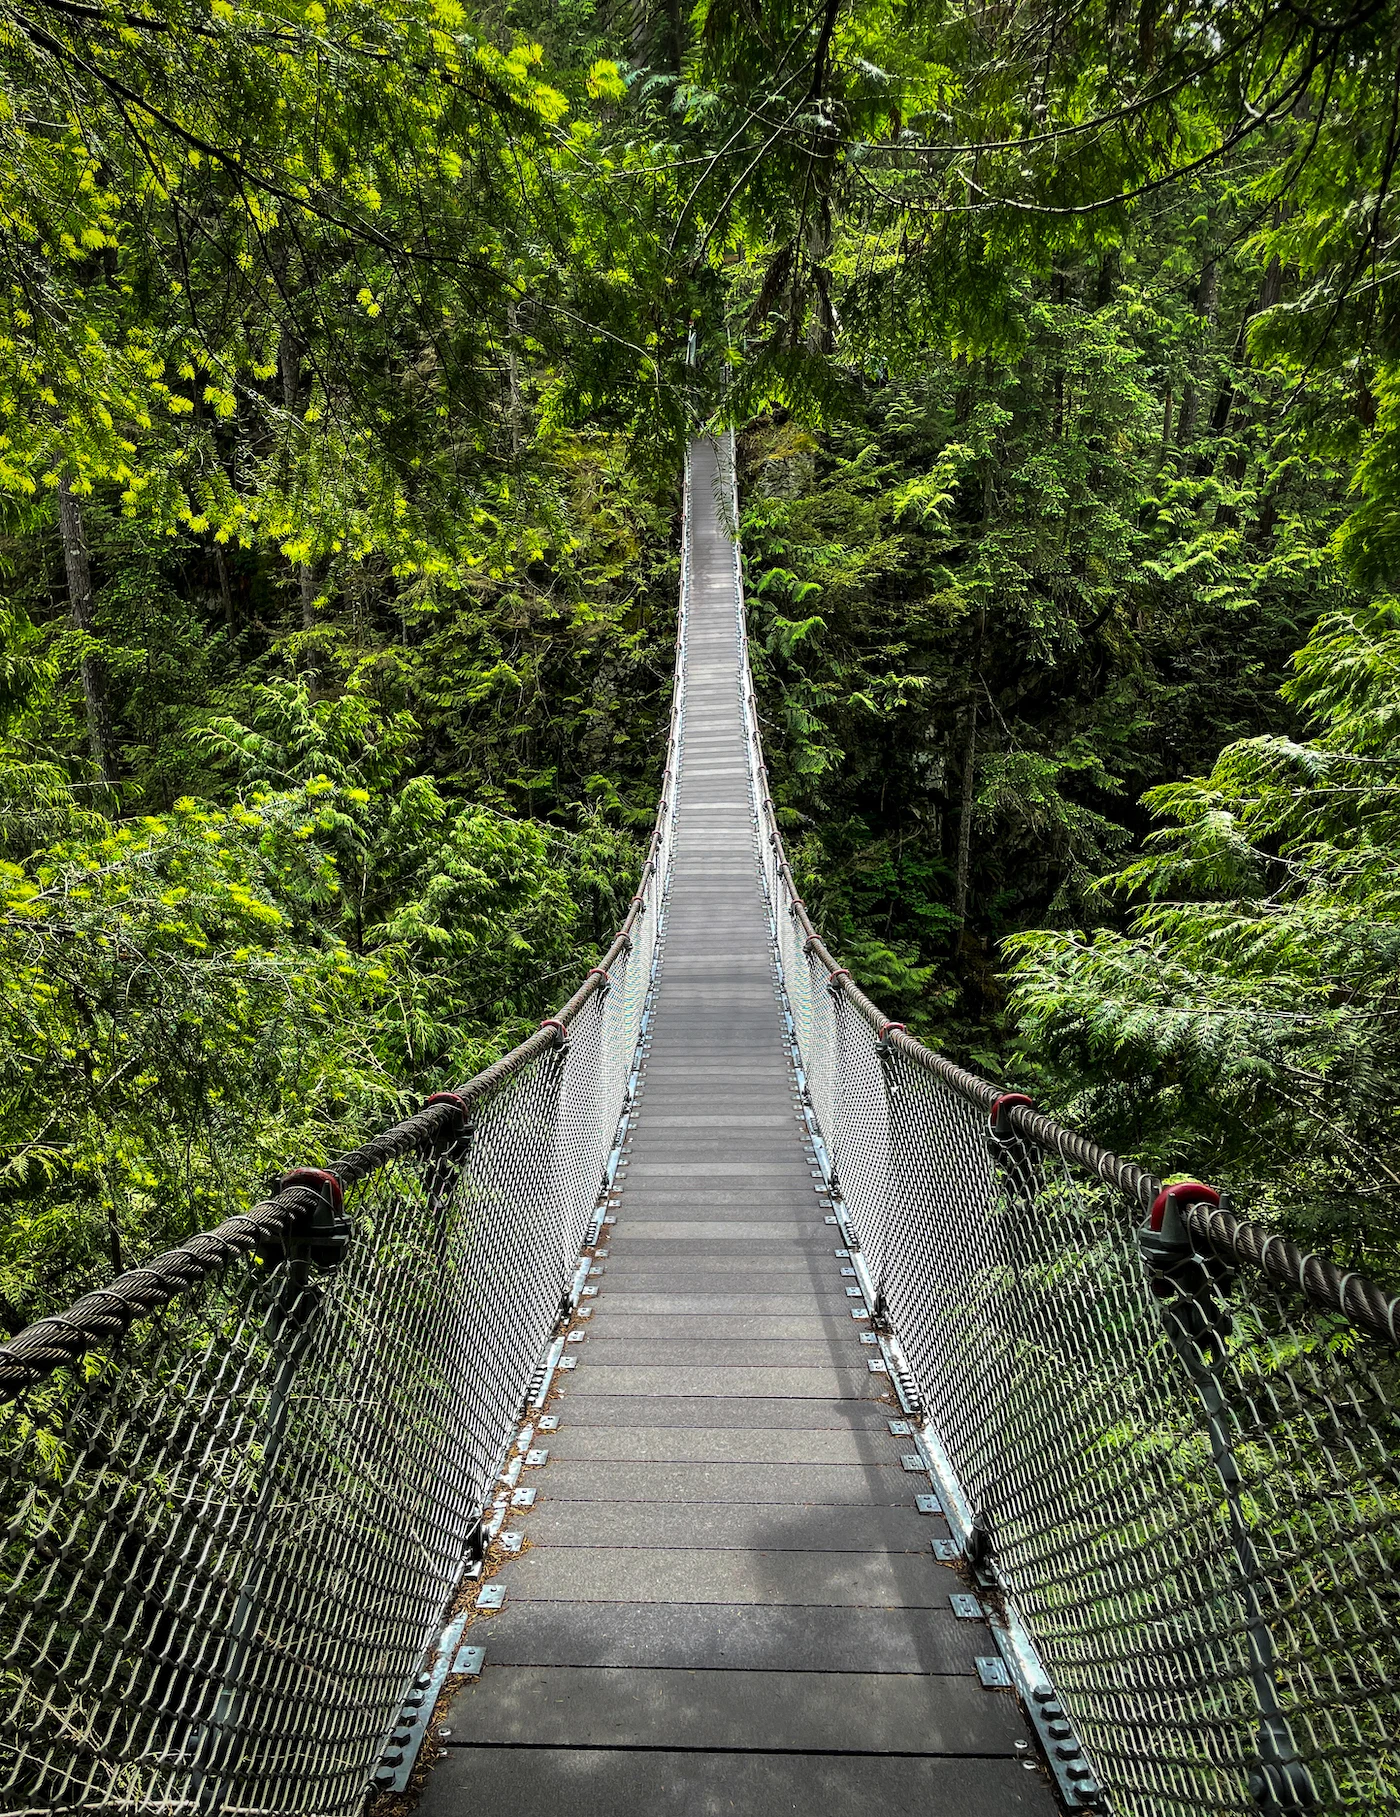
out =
column 334, row 871
column 345, row 360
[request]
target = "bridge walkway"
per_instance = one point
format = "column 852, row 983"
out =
column 728, row 1601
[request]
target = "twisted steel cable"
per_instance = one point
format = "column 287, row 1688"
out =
column 1235, row 1240
column 108, row 1313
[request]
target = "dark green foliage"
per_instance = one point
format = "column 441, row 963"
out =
column 344, row 364
column 1009, row 536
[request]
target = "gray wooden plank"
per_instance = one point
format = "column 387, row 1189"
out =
column 593, row 1404
column 823, row 1279
column 616, row 1350
column 680, row 1574
column 720, row 1444
column 726, row 1300
column 722, row 1206
column 830, row 1343
column 806, row 1384
column 844, row 1712
column 714, row 1147
column 780, row 1164
column 691, row 1195
column 703, row 1121
column 790, row 1170
column 721, row 1329
column 736, row 1526
column 633, row 1261
column 767, row 1229
column 755, row 1484
column 721, row 1638
column 596, row 1782
column 640, row 1247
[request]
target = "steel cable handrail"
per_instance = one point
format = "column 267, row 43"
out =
column 1166, row 1439
column 242, row 1483
column 1361, row 1301
column 109, row 1312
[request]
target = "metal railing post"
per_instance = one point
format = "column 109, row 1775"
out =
column 1190, row 1289
column 290, row 1320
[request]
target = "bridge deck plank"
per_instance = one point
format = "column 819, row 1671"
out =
column 733, row 1526
column 590, row 1404
column 844, row 1712
column 729, row 1602
column 762, row 1637
column 603, row 1782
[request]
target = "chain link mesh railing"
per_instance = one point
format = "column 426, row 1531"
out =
column 242, row 1484
column 1179, row 1447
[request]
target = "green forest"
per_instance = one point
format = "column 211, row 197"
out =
column 349, row 355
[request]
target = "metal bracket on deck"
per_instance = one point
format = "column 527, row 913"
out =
column 401, row 1748
column 1063, row 1750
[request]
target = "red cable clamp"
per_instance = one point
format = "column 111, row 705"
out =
column 1000, row 1105
column 840, row 972
column 449, row 1097
column 328, row 1238
column 886, row 1030
column 596, row 971
column 1185, row 1192
column 554, row 1022
column 314, row 1177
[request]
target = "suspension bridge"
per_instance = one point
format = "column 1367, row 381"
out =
column 724, row 1403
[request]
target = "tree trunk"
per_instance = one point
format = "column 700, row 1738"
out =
column 1186, row 421
column 225, row 588
column 1147, row 34
column 1109, row 273
column 513, row 372
column 969, row 784
column 1272, row 288
column 102, row 738
column 969, row 781
column 675, row 18
column 306, row 581
column 1208, row 291
column 821, row 330
column 289, row 365
column 641, row 31
column 1207, row 302
column 114, row 1243
column 1269, row 293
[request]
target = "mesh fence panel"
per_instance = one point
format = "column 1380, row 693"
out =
column 230, row 1538
column 1189, row 1475
column 1191, row 1480
column 229, row 1534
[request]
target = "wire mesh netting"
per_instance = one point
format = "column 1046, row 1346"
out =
column 1189, row 1475
column 230, row 1533
column 229, row 1539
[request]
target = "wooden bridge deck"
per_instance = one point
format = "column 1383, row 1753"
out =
column 729, row 1602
